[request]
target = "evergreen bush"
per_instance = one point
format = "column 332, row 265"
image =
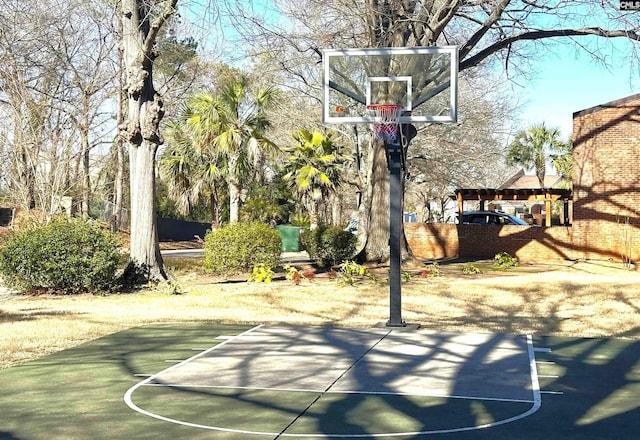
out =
column 65, row 256
column 239, row 247
column 329, row 245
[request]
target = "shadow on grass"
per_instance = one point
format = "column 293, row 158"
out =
column 33, row 314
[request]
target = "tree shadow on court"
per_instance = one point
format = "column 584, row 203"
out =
column 598, row 377
column 371, row 403
column 600, row 382
column 458, row 406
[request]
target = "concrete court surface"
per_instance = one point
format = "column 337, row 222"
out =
column 323, row 363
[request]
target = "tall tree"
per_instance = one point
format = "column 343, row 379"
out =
column 53, row 80
column 532, row 148
column 142, row 21
column 511, row 32
column 88, row 53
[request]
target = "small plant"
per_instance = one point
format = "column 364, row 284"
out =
column 294, row 274
column 504, row 261
column 471, row 269
column 169, row 287
column 350, row 271
column 432, row 271
column 406, row 277
column 261, row 273
column 374, row 279
column 301, row 220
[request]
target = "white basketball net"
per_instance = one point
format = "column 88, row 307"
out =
column 387, row 115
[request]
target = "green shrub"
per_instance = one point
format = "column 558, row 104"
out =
column 68, row 256
column 329, row 245
column 504, row 261
column 239, row 247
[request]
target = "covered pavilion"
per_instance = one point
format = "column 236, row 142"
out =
column 546, row 195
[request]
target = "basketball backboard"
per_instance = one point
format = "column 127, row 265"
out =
column 422, row 79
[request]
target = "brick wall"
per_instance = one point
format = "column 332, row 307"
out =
column 529, row 244
column 606, row 201
column 606, row 179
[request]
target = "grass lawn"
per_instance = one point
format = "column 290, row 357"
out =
column 584, row 299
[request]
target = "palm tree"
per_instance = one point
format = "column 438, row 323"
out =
column 313, row 169
column 231, row 124
column 190, row 173
column 563, row 163
column 531, row 149
column 218, row 138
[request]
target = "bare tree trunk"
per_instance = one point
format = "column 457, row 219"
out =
column 86, row 179
column 313, row 214
column 118, row 145
column 118, row 185
column 146, row 261
column 140, row 29
column 235, row 188
column 377, row 244
column 215, row 208
column 336, row 209
column 234, row 200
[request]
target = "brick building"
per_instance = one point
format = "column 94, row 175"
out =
column 606, row 201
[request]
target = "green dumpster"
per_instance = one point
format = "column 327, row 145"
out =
column 290, row 236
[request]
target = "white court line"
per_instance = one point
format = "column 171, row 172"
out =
column 535, row 386
column 130, row 391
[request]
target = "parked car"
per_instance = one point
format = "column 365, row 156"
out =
column 491, row 218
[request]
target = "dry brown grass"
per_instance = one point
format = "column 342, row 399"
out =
column 588, row 299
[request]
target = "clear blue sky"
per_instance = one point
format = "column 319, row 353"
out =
column 564, row 85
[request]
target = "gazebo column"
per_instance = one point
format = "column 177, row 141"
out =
column 547, row 208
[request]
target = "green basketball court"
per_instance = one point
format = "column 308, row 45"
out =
column 266, row 382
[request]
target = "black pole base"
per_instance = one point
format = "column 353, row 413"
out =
column 396, row 324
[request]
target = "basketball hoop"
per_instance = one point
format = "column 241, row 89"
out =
column 387, row 115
